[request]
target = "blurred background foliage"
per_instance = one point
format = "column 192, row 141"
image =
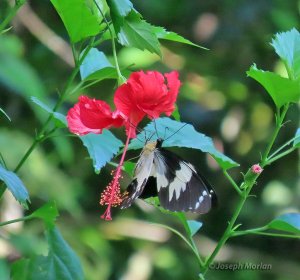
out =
column 216, row 97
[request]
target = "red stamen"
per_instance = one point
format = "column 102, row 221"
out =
column 111, row 196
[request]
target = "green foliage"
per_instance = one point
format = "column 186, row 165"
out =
column 287, row 46
column 281, row 90
column 15, row 186
column 48, row 213
column 60, row 263
column 289, row 222
column 80, row 17
column 179, row 134
column 96, row 66
column 101, row 147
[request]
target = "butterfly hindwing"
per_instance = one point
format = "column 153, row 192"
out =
column 179, row 186
column 141, row 175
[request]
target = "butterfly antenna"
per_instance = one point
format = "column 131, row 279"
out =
column 176, row 131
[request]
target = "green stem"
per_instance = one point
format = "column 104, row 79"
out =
column 283, row 146
column 121, row 79
column 271, row 160
column 249, row 181
column 16, row 221
column 12, row 13
column 233, row 183
column 260, row 231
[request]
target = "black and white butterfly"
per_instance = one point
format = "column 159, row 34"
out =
column 178, row 185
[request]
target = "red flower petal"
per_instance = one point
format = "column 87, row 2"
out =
column 92, row 116
column 147, row 94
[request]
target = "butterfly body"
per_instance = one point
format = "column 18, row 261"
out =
column 175, row 181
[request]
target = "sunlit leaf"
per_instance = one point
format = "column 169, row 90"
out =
column 287, row 46
column 179, row 134
column 176, row 114
column 162, row 33
column 48, row 213
column 61, row 119
column 297, row 139
column 15, row 186
column 101, row 147
column 81, row 18
column 96, row 66
column 60, row 263
column 281, row 90
column 287, row 222
column 194, row 226
column 129, row 167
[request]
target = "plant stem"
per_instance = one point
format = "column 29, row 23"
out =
column 12, row 13
column 249, row 181
column 16, row 221
column 121, row 79
column 271, row 160
column 233, row 183
column 260, row 231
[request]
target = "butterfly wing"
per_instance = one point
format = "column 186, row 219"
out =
column 180, row 187
column 141, row 174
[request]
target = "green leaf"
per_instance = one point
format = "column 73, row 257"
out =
column 61, row 119
column 287, row 222
column 179, row 134
column 48, row 213
column 281, row 90
column 287, row 46
column 101, row 147
column 15, row 185
column 96, row 66
column 3, row 112
column 135, row 32
column 119, row 8
column 60, row 263
column 129, row 167
column 80, row 17
column 194, row 226
column 162, row 33
column 297, row 139
column 176, row 114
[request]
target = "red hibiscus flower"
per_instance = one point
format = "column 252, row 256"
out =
column 91, row 116
column 144, row 94
column 147, row 94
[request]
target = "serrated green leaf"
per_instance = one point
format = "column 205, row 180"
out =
column 81, row 18
column 296, row 142
column 162, row 33
column 179, row 134
column 287, row 46
column 3, row 112
column 15, row 186
column 194, row 226
column 48, row 213
column 119, row 8
column 135, row 32
column 60, row 263
column 287, row 222
column 61, row 119
column 96, row 66
column 281, row 90
column 101, row 147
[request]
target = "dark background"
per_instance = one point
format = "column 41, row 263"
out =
column 216, row 97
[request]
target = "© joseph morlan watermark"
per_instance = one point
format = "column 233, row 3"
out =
column 240, row 266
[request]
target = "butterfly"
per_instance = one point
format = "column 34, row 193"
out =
column 175, row 181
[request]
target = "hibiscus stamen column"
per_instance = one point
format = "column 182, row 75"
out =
column 111, row 196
